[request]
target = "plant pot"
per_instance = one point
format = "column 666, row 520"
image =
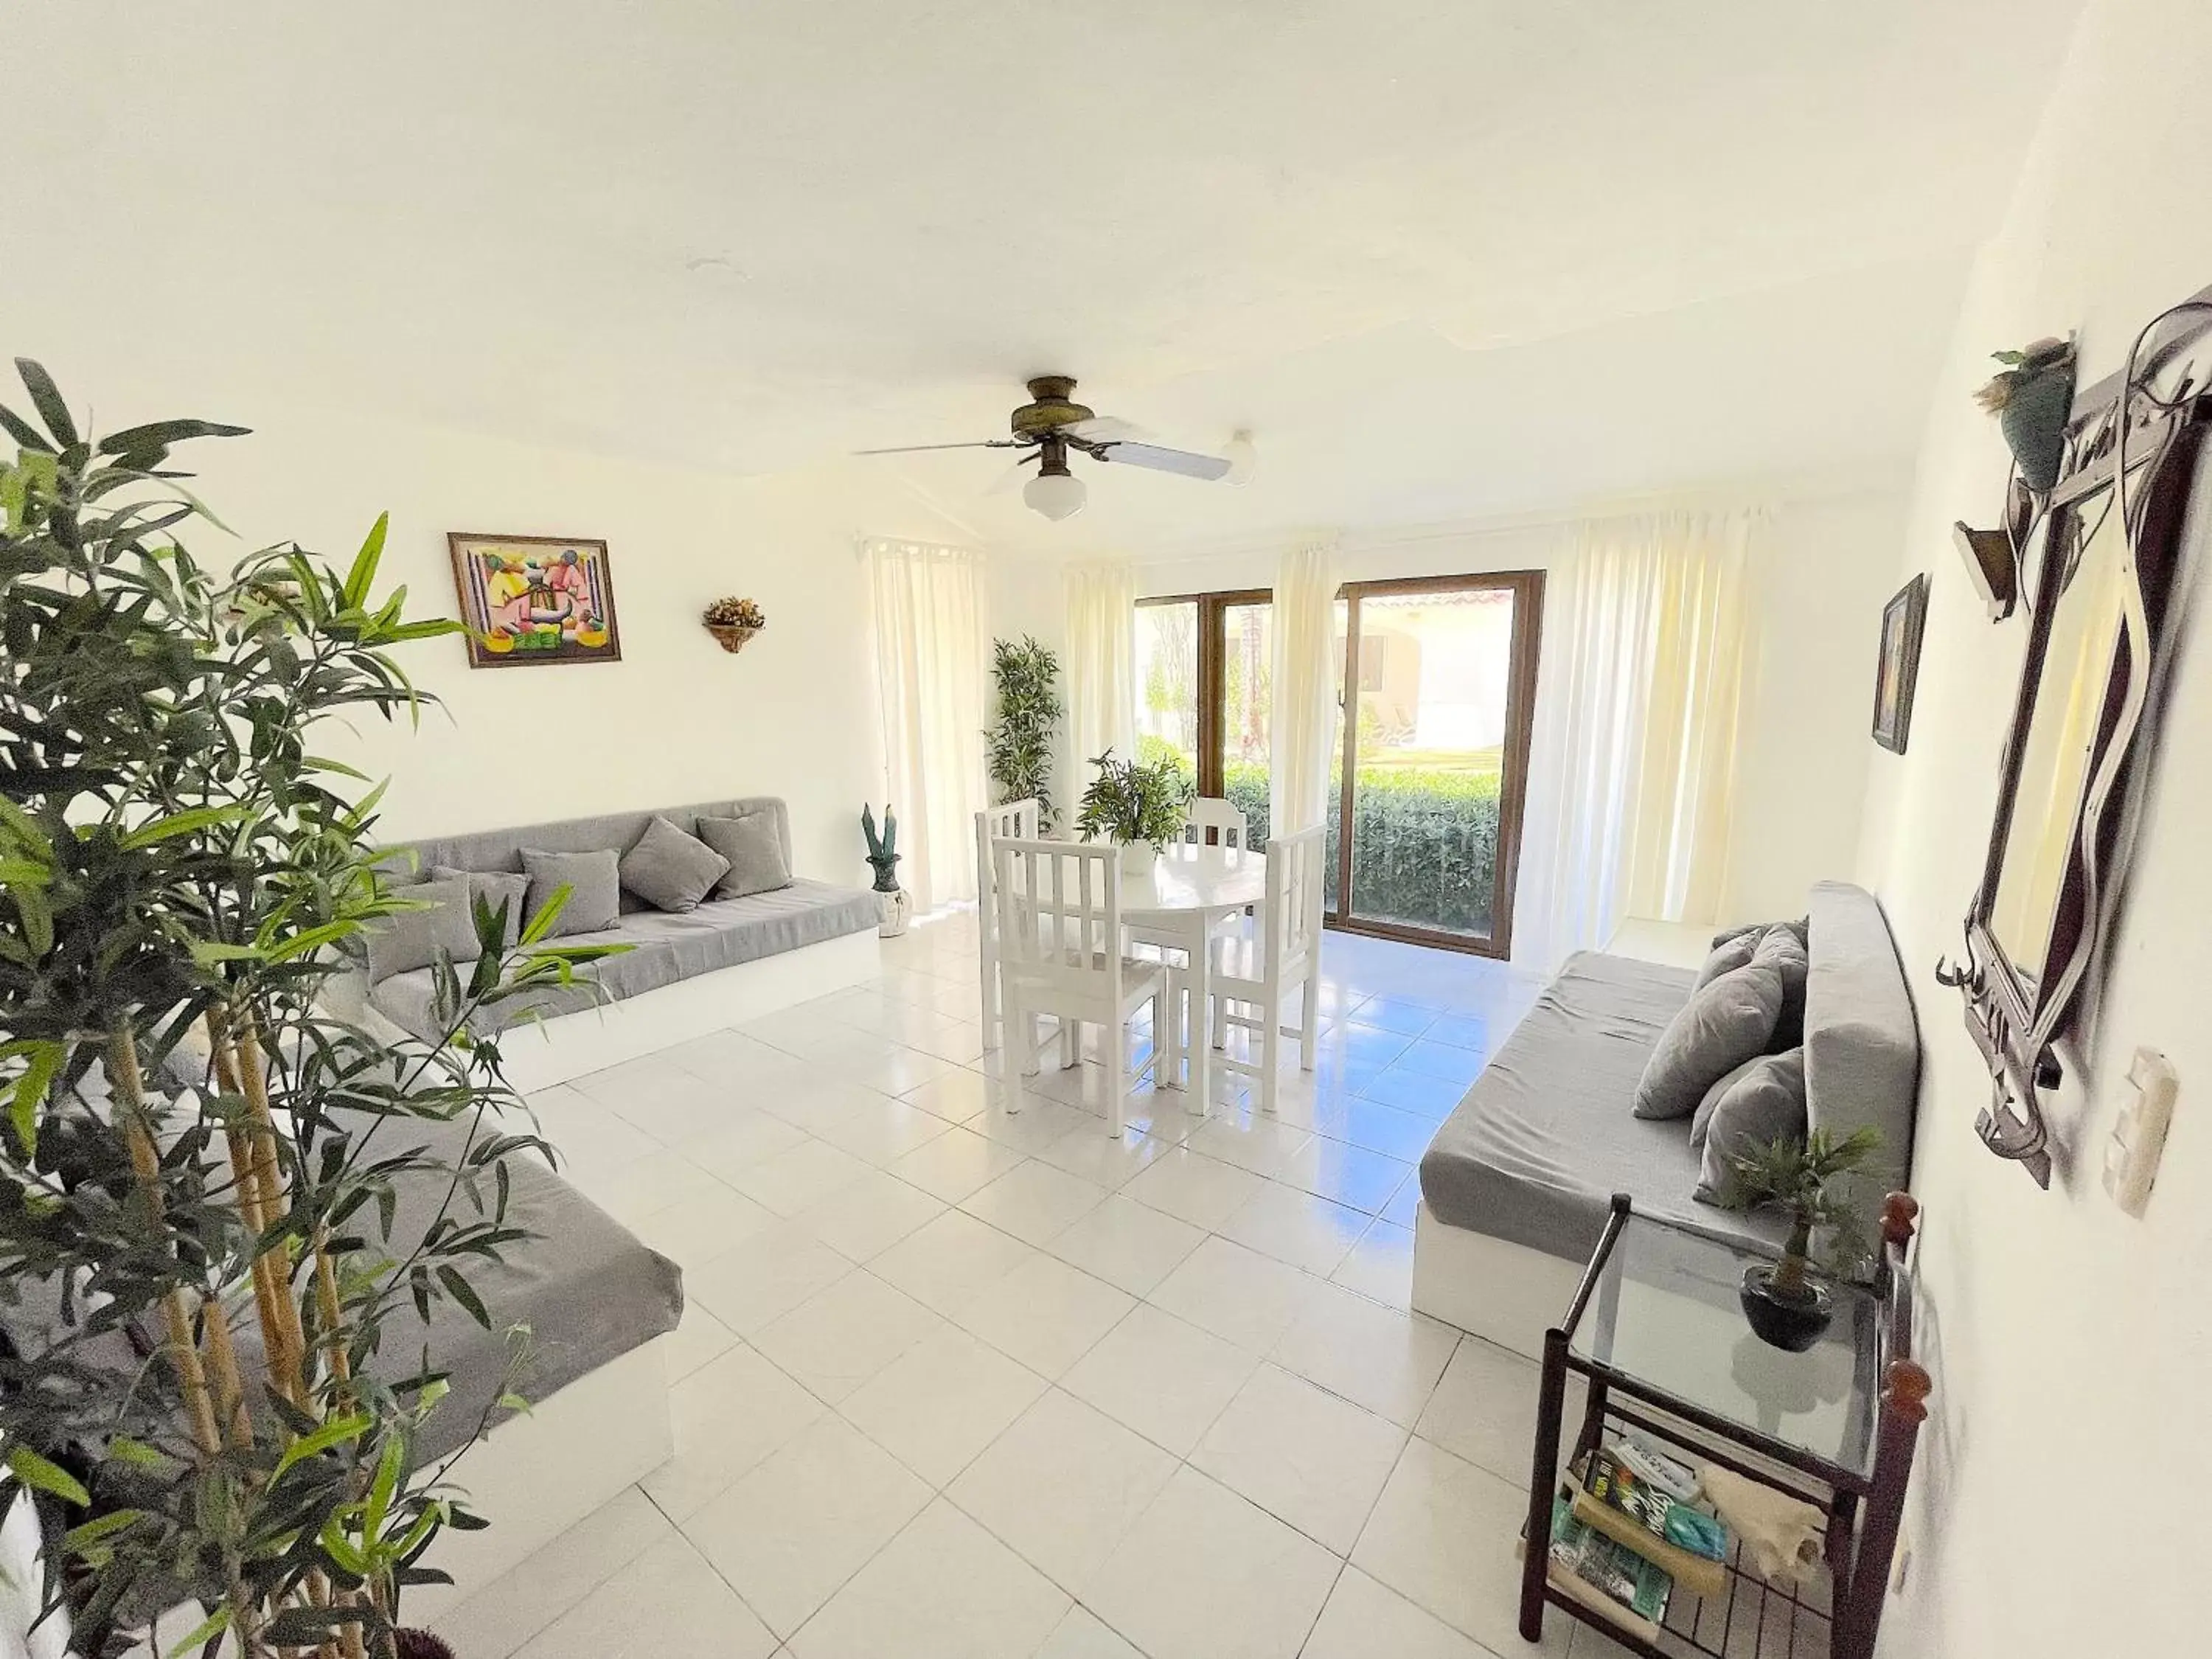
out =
column 2033, row 421
column 731, row 637
column 894, row 910
column 420, row 1644
column 1792, row 1323
column 1137, row 857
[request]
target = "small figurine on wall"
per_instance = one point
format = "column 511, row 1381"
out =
column 894, row 904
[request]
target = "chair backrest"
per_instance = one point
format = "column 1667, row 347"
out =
column 1214, row 822
column 1059, row 913
column 1014, row 820
column 1290, row 925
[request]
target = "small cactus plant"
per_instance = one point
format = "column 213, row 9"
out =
column 882, row 848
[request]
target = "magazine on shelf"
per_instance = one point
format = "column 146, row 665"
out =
column 1615, row 1501
column 1605, row 1574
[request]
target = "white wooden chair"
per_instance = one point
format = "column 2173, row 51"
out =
column 1057, row 903
column 1261, row 971
column 1016, row 820
column 1214, row 822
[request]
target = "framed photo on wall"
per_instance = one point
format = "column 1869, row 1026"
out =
column 1903, row 620
column 535, row 600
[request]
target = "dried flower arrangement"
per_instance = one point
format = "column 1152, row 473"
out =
column 733, row 621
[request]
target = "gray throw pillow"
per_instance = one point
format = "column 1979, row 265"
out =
column 1728, row 954
column 1701, row 1123
column 494, row 888
column 401, row 944
column 1766, row 1103
column 670, row 870
column 594, row 885
column 1781, row 949
column 755, row 853
column 1721, row 1026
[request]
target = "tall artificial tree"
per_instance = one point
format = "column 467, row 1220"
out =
column 1027, row 678
column 214, row 1376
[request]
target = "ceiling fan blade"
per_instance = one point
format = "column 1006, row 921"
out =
column 1013, row 476
column 1105, row 429
column 1165, row 460
column 917, row 449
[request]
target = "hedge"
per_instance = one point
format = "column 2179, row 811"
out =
column 1424, row 846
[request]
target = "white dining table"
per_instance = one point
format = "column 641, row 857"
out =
column 1179, row 896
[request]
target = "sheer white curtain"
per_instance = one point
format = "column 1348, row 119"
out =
column 1636, row 718
column 1304, row 688
column 1102, row 672
column 927, row 610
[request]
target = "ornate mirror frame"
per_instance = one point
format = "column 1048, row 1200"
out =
column 2131, row 450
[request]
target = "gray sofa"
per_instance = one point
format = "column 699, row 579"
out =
column 666, row 947
column 1532, row 1154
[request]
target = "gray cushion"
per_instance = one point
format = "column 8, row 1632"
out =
column 1780, row 949
column 404, row 943
column 1536, row 1148
column 594, row 884
column 1728, row 954
column 671, row 870
column 666, row 948
column 1765, row 1101
column 1862, row 1045
column 1721, row 1026
column 1701, row 1123
column 493, row 888
column 758, row 864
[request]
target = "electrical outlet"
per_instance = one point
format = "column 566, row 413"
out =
column 2139, row 1132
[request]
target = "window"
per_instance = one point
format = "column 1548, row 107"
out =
column 1431, row 771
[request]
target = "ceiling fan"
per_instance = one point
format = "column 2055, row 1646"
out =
column 1052, row 423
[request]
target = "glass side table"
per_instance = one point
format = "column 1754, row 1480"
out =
column 1656, row 1332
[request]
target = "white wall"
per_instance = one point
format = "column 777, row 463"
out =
column 2057, row 1509
column 676, row 719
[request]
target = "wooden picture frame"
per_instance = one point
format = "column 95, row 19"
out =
column 534, row 601
column 1897, row 667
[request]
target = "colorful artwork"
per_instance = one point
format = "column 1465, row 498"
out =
column 529, row 599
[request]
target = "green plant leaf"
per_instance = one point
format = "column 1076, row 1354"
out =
column 158, row 434
column 189, row 822
column 338, row 1432
column 35, row 1471
column 43, row 1063
column 212, row 1626
column 46, row 398
column 465, row 1293
column 363, row 572
column 78, row 1539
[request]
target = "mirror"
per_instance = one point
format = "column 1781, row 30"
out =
column 2097, row 570
column 2068, row 698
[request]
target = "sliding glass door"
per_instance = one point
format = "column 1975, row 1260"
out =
column 1435, row 759
column 1438, row 675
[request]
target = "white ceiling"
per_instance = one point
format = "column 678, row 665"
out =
column 1444, row 259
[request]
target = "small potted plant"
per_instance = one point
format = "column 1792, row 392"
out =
column 732, row 621
column 1138, row 808
column 2032, row 397
column 1785, row 1305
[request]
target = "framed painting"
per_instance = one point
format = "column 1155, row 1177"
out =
column 1902, row 620
column 532, row 600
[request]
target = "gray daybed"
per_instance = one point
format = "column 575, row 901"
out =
column 1515, row 1187
column 685, row 973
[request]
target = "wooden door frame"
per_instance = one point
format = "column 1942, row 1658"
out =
column 1526, row 588
column 1212, row 619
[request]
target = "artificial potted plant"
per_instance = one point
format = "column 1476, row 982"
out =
column 1786, row 1306
column 214, row 1373
column 1138, row 807
column 1019, row 741
column 894, row 904
column 2033, row 397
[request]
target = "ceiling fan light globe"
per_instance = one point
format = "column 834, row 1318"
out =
column 1056, row 495
column 1243, row 458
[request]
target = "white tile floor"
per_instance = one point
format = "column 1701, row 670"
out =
column 957, row 1382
